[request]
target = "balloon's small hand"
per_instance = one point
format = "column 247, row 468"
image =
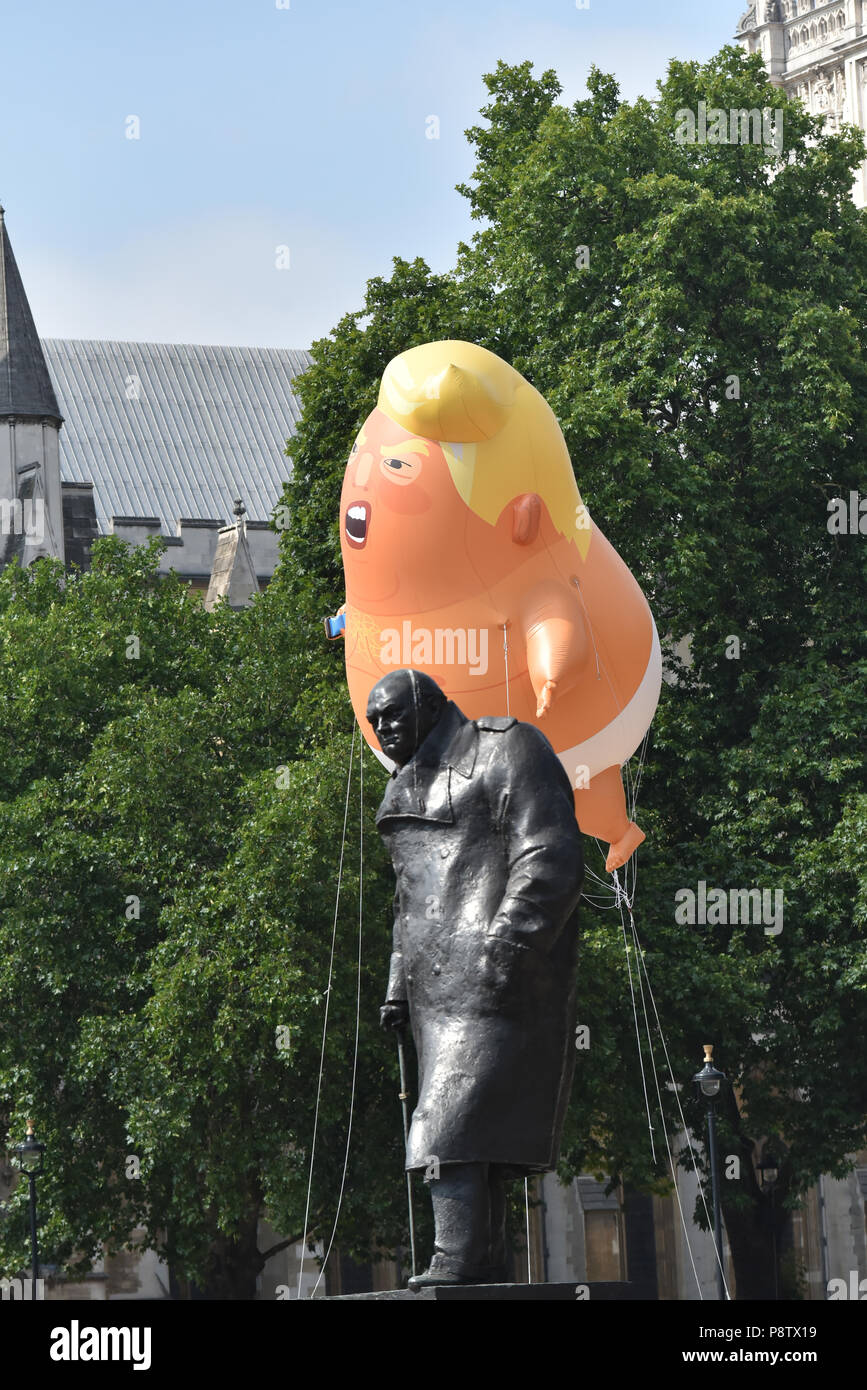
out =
column 336, row 627
column 545, row 699
column 394, row 1015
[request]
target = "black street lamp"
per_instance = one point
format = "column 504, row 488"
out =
column 769, row 1171
column 708, row 1083
column 30, row 1155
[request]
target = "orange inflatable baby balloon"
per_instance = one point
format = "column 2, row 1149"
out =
column 468, row 554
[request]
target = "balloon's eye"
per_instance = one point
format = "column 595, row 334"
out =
column 402, row 471
column 354, row 449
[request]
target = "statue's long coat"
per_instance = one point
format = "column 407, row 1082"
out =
column 482, row 833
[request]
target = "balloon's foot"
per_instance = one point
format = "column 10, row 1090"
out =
column 624, row 848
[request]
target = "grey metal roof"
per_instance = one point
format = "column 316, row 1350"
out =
column 25, row 386
column 171, row 430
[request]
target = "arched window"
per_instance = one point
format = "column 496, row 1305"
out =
column 823, row 28
column 841, row 19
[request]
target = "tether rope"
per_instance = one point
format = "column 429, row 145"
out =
column 357, row 1005
column 637, row 1029
column 325, row 1019
column 662, row 1114
column 622, row 897
column 675, row 1089
column 506, row 660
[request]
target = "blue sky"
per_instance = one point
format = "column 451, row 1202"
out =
column 263, row 127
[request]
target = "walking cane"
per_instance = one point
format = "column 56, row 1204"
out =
column 404, row 1097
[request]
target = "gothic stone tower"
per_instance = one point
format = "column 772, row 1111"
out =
column 816, row 50
column 31, row 514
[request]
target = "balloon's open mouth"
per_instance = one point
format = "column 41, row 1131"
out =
column 356, row 523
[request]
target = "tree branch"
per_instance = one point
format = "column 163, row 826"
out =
column 282, row 1245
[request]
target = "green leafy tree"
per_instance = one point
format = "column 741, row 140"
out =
column 707, row 366
column 170, row 847
column 695, row 316
column 706, row 360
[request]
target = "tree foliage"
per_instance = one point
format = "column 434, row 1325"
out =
column 706, row 360
column 170, row 846
column 707, row 365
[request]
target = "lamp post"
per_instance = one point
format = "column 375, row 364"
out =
column 769, row 1171
column 30, row 1155
column 708, row 1082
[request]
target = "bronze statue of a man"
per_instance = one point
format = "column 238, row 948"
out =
column 480, row 823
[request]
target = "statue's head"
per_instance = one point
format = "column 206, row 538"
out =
column 402, row 708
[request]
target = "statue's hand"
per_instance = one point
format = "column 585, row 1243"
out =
column 394, row 1015
column 498, row 964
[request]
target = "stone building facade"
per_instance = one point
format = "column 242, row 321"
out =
column 815, row 50
column 139, row 440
